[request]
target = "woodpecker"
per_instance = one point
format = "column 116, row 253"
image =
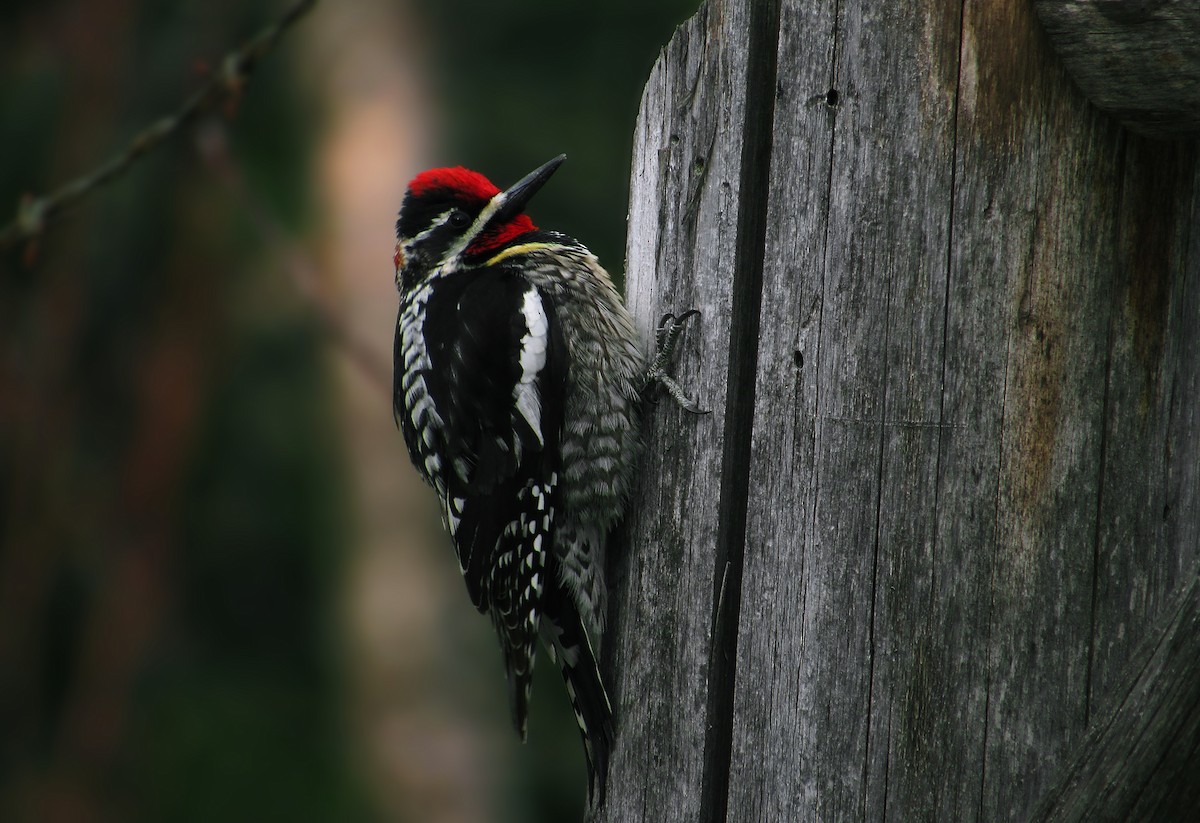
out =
column 518, row 382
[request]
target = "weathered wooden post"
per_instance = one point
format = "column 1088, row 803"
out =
column 933, row 554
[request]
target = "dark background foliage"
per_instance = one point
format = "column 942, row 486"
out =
column 174, row 506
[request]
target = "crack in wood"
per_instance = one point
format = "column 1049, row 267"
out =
column 762, row 56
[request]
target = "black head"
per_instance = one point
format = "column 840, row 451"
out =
column 454, row 216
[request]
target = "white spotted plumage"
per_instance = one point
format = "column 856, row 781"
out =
column 517, row 387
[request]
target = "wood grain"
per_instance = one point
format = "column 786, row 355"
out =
column 955, row 485
column 1138, row 60
column 1140, row 761
column 682, row 246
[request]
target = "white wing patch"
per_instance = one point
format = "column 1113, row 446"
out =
column 533, row 359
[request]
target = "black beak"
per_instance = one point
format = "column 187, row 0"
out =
column 521, row 192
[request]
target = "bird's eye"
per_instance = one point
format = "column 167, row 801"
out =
column 459, row 219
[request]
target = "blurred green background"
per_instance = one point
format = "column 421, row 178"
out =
column 223, row 593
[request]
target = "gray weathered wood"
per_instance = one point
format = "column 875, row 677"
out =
column 1151, row 355
column 682, row 242
column 1141, row 760
column 901, row 569
column 845, row 445
column 1032, row 215
column 1138, row 60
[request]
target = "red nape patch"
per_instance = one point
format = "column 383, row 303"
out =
column 457, row 179
column 496, row 237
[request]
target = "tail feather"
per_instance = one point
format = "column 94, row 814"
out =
column 569, row 647
column 514, row 591
column 518, row 665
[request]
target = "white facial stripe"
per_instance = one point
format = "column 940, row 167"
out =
column 441, row 220
column 460, row 245
column 408, row 245
column 533, row 359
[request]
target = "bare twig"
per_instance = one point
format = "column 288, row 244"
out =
column 374, row 364
column 34, row 213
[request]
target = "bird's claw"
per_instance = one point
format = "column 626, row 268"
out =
column 666, row 339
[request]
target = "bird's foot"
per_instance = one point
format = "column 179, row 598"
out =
column 666, row 339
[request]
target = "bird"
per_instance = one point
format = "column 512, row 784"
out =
column 519, row 377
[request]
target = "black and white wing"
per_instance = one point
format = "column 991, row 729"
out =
column 481, row 405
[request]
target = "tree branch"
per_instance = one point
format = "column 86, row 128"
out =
column 35, row 213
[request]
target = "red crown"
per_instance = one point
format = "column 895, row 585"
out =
column 472, row 184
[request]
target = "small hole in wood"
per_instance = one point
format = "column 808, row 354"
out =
column 832, row 97
column 798, row 359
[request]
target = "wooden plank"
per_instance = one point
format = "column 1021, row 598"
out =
column 682, row 241
column 1039, row 169
column 848, row 413
column 906, row 54
column 1183, row 431
column 965, row 637
column 1138, row 566
column 1139, row 62
column 922, row 552
column 770, row 761
column 1141, row 759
